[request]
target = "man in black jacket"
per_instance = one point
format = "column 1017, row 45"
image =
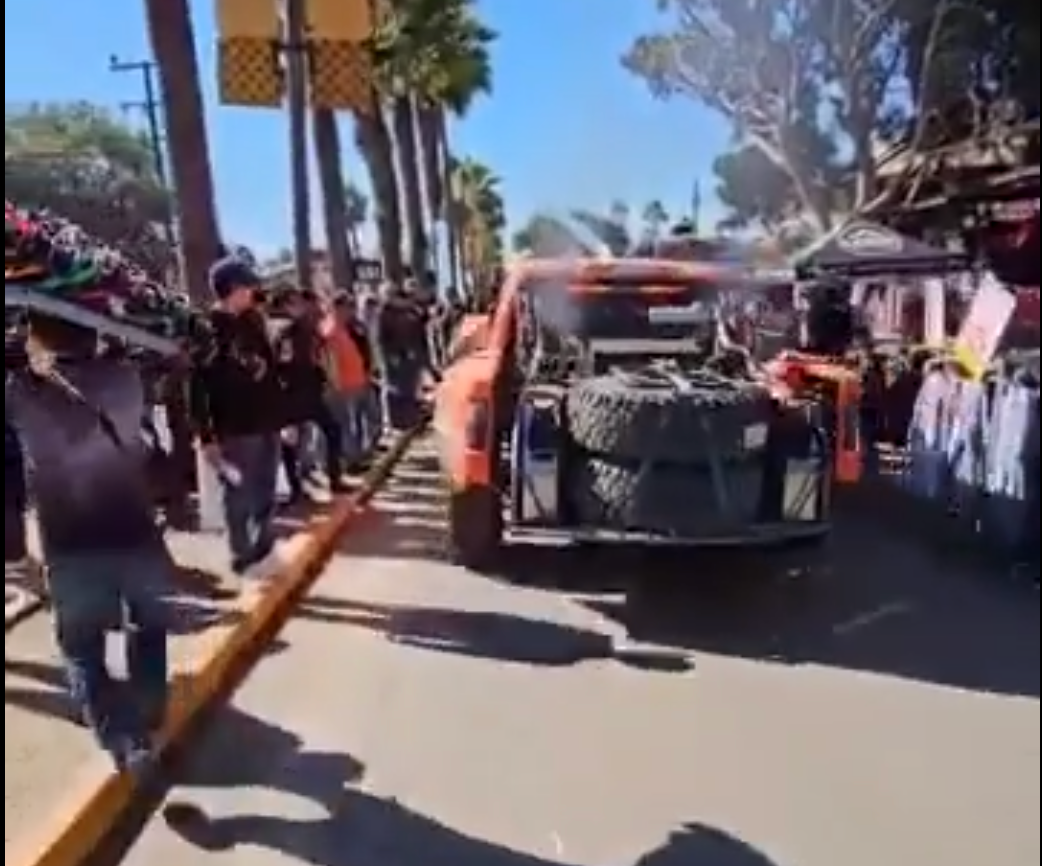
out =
column 238, row 409
column 77, row 417
column 404, row 354
column 305, row 373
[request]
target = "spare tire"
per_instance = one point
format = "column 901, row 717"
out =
column 665, row 500
column 658, row 416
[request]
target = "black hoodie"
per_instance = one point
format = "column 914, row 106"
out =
column 235, row 387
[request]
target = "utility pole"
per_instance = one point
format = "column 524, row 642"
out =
column 296, row 53
column 149, row 106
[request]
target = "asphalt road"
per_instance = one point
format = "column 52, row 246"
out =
column 624, row 709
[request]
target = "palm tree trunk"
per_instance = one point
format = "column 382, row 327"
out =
column 403, row 116
column 433, row 158
column 334, row 206
column 172, row 39
column 428, row 118
column 376, row 147
column 450, row 207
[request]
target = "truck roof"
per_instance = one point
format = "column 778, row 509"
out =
column 600, row 274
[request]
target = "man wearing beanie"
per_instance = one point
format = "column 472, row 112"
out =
column 237, row 409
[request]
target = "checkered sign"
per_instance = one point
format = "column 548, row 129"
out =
column 250, row 73
column 341, row 76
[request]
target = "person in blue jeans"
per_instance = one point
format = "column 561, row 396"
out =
column 237, row 404
column 77, row 416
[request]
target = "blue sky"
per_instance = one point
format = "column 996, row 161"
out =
column 565, row 127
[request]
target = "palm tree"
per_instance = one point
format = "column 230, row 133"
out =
column 462, row 72
column 375, row 144
column 172, row 38
column 479, row 213
column 357, row 214
column 469, row 75
column 326, row 134
column 431, row 55
column 655, row 217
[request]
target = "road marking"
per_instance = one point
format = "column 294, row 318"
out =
column 870, row 618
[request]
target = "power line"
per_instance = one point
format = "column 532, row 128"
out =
column 150, row 107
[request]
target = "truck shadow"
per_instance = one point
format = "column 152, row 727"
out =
column 870, row 604
column 873, row 600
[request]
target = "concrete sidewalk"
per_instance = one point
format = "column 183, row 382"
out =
column 45, row 747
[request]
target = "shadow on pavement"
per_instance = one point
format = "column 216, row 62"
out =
column 870, row 601
column 701, row 845
column 362, row 829
column 46, row 696
column 491, row 635
column 858, row 609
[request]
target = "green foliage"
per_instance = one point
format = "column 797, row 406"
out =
column 80, row 162
column 752, row 188
column 816, row 86
column 479, row 211
column 435, row 50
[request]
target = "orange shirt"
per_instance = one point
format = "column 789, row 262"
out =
column 346, row 362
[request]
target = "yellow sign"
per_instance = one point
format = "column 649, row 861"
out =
column 249, row 73
column 249, row 19
column 340, row 20
column 341, row 76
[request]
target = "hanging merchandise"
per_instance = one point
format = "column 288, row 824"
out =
column 51, row 266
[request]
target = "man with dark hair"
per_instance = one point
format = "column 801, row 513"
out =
column 238, row 409
column 77, row 415
column 305, row 370
column 830, row 319
column 404, row 353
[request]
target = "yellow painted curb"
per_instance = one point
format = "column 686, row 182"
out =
column 31, row 605
column 87, row 820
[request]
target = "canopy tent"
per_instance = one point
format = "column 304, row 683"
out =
column 861, row 248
